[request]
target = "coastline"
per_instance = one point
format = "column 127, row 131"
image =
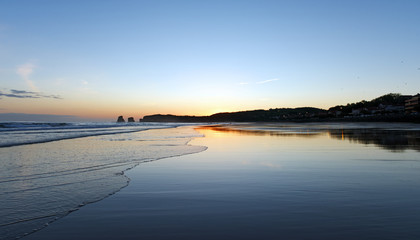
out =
column 44, row 182
column 358, row 119
column 86, row 219
column 252, row 184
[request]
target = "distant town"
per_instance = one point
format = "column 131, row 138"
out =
column 392, row 107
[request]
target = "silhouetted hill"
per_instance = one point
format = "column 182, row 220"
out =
column 380, row 104
column 386, row 108
column 244, row 116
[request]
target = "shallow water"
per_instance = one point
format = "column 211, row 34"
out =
column 22, row 133
column 297, row 182
column 42, row 182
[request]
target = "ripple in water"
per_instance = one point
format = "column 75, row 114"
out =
column 43, row 182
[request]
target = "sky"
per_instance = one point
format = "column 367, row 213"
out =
column 102, row 59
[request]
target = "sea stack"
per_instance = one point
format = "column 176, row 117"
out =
column 131, row 119
column 120, row 119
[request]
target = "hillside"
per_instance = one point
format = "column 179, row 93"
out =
column 389, row 107
column 244, row 116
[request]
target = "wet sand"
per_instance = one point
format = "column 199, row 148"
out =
column 253, row 185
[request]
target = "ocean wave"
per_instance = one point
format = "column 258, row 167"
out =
column 24, row 126
column 21, row 133
column 43, row 182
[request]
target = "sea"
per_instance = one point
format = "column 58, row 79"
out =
column 48, row 170
column 215, row 181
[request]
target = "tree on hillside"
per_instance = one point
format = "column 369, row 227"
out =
column 395, row 99
column 389, row 99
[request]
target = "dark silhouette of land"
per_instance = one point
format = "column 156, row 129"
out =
column 391, row 107
column 243, row 116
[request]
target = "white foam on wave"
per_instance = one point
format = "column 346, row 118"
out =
column 21, row 133
column 43, row 182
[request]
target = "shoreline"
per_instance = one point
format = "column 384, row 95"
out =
column 39, row 233
column 65, row 176
column 249, row 185
column 367, row 119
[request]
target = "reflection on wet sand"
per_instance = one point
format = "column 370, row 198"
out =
column 392, row 140
column 263, row 132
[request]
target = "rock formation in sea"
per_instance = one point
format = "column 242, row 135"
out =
column 130, row 119
column 120, row 119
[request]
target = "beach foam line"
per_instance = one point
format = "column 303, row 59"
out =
column 76, row 135
column 27, row 220
column 75, row 171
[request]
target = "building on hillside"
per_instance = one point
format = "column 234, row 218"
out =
column 394, row 108
column 356, row 112
column 412, row 105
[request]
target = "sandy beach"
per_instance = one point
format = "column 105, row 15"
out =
column 45, row 181
column 295, row 184
column 209, row 120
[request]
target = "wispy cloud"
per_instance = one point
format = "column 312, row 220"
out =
column 25, row 71
column 13, row 93
column 267, row 81
column 260, row 82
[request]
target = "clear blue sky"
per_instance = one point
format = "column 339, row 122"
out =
column 105, row 58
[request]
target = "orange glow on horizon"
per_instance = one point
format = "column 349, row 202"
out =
column 106, row 109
